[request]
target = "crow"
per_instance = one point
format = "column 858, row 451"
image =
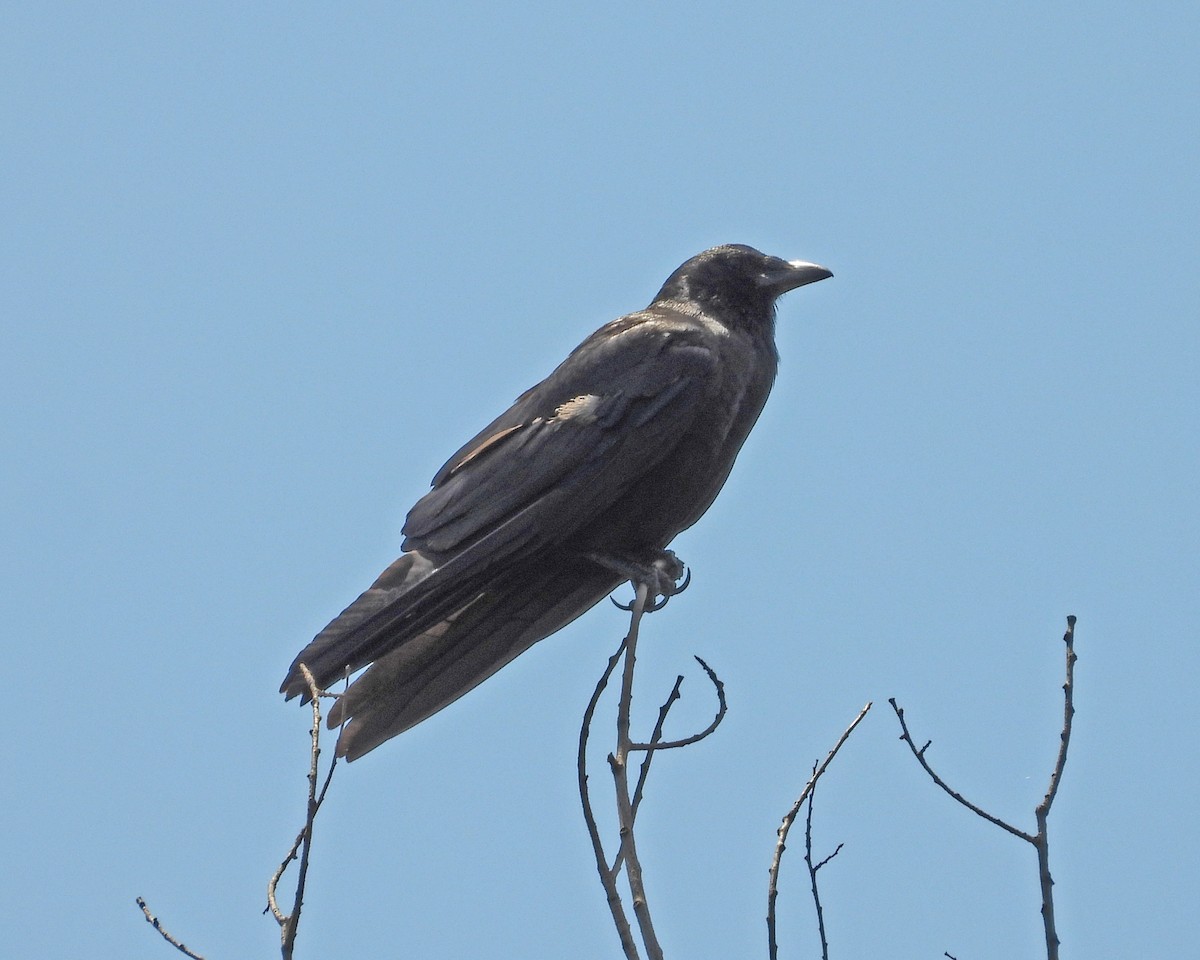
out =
column 580, row 485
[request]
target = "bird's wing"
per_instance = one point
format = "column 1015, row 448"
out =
column 569, row 447
column 556, row 460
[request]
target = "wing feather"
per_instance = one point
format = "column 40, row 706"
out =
column 575, row 451
column 565, row 452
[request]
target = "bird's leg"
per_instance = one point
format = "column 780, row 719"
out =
column 662, row 575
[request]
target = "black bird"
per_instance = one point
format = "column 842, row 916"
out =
column 578, row 486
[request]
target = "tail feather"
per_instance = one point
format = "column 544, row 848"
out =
column 351, row 640
column 434, row 668
column 414, row 594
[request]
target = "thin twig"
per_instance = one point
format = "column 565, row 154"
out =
column 609, row 880
column 1040, row 841
column 153, row 921
column 1042, row 811
column 814, row 867
column 301, row 845
column 788, row 820
column 656, row 742
column 627, row 804
column 289, row 924
column 644, row 770
column 722, row 707
column 920, row 755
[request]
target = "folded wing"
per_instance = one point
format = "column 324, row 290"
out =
column 487, row 569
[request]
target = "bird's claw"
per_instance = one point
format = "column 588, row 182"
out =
column 665, row 577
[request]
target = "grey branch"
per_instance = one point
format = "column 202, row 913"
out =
column 786, row 825
column 656, row 742
column 920, row 755
column 166, row 935
column 607, row 878
column 1040, row 840
column 618, row 761
column 722, row 707
column 627, row 802
column 813, row 868
column 302, row 845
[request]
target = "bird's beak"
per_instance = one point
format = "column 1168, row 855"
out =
column 790, row 274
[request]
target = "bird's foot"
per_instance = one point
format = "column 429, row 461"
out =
column 665, row 576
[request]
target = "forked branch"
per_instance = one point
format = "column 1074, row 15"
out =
column 627, row 802
column 1041, row 839
column 302, row 845
column 782, row 835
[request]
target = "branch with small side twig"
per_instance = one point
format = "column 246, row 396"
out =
column 1041, row 839
column 608, row 878
column 656, row 742
column 781, row 842
column 302, row 845
column 627, row 803
column 814, row 867
column 164, row 933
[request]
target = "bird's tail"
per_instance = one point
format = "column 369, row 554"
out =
column 343, row 646
column 429, row 642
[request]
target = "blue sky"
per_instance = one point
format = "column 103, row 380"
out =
column 266, row 266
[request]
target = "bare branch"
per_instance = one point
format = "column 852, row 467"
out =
column 1041, row 840
column 644, row 770
column 722, row 707
column 619, row 763
column 655, row 740
column 153, row 921
column 607, row 878
column 1042, row 811
column 788, row 820
column 289, row 924
column 659, row 579
column 656, row 743
column 920, row 755
column 300, row 846
column 813, row 868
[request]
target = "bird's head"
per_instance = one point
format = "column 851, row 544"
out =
column 738, row 278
